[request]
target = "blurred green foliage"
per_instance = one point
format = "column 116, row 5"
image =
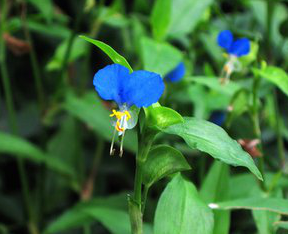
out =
column 56, row 175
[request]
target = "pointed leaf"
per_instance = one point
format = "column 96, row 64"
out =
column 113, row 55
column 212, row 139
column 277, row 205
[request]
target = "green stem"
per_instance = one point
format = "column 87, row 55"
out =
column 138, row 183
column 34, row 62
column 280, row 142
column 86, row 229
column 145, row 194
column 257, row 130
column 144, row 144
column 69, row 46
column 12, row 119
column 270, row 10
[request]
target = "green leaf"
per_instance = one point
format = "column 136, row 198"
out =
column 159, row 57
column 162, row 161
column 160, row 18
column 214, row 83
column 216, row 188
column 240, row 104
column 45, row 7
column 77, row 217
column 116, row 221
column 180, row 210
column 282, row 224
column 78, row 49
column 90, row 110
column 275, row 75
column 212, row 139
column 186, row 14
column 52, row 30
column 18, row 147
column 113, row 55
column 277, row 205
column 161, row 117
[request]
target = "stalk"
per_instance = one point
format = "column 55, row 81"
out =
column 12, row 120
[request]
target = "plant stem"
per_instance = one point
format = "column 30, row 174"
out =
column 138, row 183
column 270, row 10
column 280, row 142
column 34, row 61
column 256, row 127
column 145, row 194
column 136, row 205
column 12, row 119
column 69, row 46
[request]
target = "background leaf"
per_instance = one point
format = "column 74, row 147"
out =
column 277, row 205
column 159, row 57
column 215, row 188
column 186, row 14
column 91, row 111
column 18, row 147
column 160, row 18
column 275, row 75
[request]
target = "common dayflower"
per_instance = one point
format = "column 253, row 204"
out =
column 139, row 88
column 235, row 49
column 176, row 74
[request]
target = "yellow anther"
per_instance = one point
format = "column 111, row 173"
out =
column 127, row 114
column 119, row 115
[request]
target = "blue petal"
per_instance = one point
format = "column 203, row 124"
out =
column 109, row 82
column 240, row 47
column 143, row 89
column 177, row 73
column 225, row 39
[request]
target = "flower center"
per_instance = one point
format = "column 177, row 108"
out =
column 122, row 118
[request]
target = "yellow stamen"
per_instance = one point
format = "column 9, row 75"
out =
column 119, row 115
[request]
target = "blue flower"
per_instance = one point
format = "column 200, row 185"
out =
column 139, row 88
column 177, row 73
column 238, row 48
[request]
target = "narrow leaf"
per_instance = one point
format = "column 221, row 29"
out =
column 18, row 147
column 277, row 205
column 212, row 139
column 282, row 224
column 113, row 55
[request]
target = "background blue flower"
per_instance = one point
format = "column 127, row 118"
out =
column 238, row 47
column 140, row 88
column 177, row 73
